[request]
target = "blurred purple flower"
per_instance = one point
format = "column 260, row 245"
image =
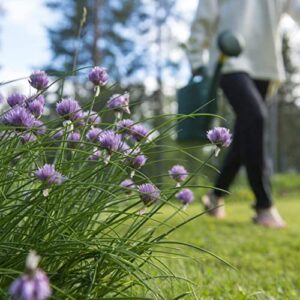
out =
column 39, row 127
column 18, row 116
column 98, row 76
column 16, row 99
column 178, row 173
column 219, row 136
column 49, row 175
column 110, row 140
column 124, row 126
column 93, row 134
column 138, row 161
column 128, row 184
column 74, row 137
column 33, row 285
column 119, row 103
column 95, row 155
column 125, row 148
column 39, row 80
column 149, row 193
column 36, row 106
column 186, row 196
column 58, row 135
column 69, row 109
column 93, row 118
column 27, row 137
column 139, row 132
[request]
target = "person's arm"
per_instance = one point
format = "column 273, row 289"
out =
column 293, row 10
column 202, row 32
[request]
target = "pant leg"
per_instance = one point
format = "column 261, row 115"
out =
column 248, row 148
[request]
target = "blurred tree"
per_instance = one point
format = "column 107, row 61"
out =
column 286, row 112
column 94, row 32
column 120, row 35
column 134, row 39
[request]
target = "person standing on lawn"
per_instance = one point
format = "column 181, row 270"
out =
column 245, row 82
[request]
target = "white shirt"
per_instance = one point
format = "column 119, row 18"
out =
column 256, row 20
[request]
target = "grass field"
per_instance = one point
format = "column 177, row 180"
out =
column 267, row 261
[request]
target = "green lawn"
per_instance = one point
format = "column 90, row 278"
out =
column 267, row 261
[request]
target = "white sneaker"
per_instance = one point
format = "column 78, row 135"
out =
column 269, row 217
column 214, row 205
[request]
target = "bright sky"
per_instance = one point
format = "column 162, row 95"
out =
column 24, row 45
column 23, row 39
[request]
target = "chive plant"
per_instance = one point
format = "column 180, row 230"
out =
column 76, row 195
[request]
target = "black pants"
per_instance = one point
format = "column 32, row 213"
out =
column 247, row 98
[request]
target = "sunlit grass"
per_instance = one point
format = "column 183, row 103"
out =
column 267, row 261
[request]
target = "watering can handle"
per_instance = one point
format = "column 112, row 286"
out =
column 231, row 45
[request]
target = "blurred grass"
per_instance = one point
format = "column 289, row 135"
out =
column 267, row 261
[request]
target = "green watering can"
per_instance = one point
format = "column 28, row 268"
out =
column 199, row 96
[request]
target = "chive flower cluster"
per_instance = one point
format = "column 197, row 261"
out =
column 124, row 140
column 186, row 196
column 25, row 112
column 119, row 103
column 179, row 174
column 39, row 80
column 220, row 137
column 69, row 109
column 33, row 284
column 98, row 76
column 48, row 175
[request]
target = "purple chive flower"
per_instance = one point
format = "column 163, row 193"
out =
column 27, row 137
column 33, row 285
column 125, row 126
column 58, row 135
column 93, row 118
column 93, row 134
column 39, row 80
column 16, row 99
column 36, row 106
column 19, row 116
column 178, row 173
column 74, row 137
column 186, row 196
column 128, row 184
column 69, row 109
column 149, row 193
column 98, row 76
column 125, row 148
column 220, row 137
column 39, row 127
column 49, row 175
column 139, row 132
column 119, row 103
column 110, row 140
column 95, row 155
column 138, row 161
